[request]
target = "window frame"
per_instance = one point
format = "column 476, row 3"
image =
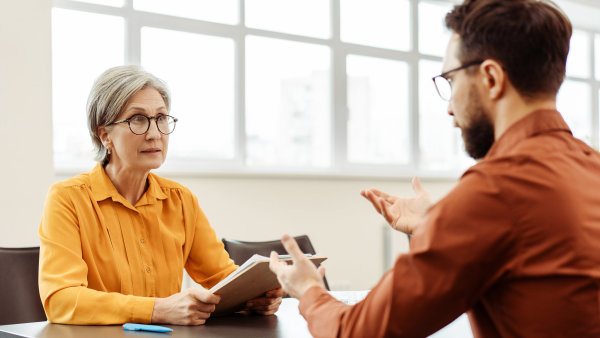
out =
column 340, row 166
column 592, row 82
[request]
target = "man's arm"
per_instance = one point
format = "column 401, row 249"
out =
column 461, row 250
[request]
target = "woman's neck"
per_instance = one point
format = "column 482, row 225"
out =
column 130, row 184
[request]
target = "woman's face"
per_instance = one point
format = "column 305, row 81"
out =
column 138, row 152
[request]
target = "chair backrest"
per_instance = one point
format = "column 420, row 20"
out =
column 240, row 251
column 19, row 292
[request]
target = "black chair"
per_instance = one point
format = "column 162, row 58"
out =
column 240, row 251
column 19, row 292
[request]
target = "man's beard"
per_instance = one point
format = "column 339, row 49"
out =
column 478, row 133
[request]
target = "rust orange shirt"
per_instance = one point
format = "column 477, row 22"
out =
column 516, row 244
column 104, row 261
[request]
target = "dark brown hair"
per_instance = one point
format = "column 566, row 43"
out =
column 529, row 38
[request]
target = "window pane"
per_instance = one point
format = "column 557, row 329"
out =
column 578, row 61
column 433, row 34
column 573, row 102
column 597, row 66
column 83, row 46
column 302, row 17
column 378, row 23
column 223, row 11
column 287, row 103
column 199, row 72
column 378, row 125
column 440, row 143
column 114, row 3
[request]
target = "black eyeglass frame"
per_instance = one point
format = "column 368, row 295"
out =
column 148, row 118
column 446, row 73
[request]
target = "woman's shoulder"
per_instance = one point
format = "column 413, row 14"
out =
column 72, row 182
column 166, row 184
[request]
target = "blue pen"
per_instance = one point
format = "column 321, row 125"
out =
column 145, row 327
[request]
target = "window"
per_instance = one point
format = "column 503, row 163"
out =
column 376, row 23
column 200, row 76
column 576, row 96
column 98, row 39
column 290, row 86
column 287, row 103
column 378, row 125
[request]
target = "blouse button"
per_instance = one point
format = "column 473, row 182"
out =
column 148, row 269
column 142, row 241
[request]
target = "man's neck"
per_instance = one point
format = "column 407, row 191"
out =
column 514, row 108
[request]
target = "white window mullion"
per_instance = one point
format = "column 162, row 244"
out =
column 240, row 87
column 132, row 34
column 413, row 89
column 595, row 109
column 339, row 107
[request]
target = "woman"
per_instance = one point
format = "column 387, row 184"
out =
column 114, row 241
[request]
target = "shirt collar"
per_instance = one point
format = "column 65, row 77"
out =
column 535, row 123
column 103, row 188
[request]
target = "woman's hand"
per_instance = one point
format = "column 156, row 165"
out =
column 268, row 304
column 188, row 307
column 403, row 214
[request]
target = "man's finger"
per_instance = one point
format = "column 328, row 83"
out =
column 373, row 199
column 321, row 270
column 379, row 193
column 292, row 248
column 387, row 214
column 417, row 186
column 274, row 263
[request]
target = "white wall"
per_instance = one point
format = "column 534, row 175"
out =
column 25, row 124
column 342, row 225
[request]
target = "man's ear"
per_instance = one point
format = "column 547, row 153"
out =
column 493, row 77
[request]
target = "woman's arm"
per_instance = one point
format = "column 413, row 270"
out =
column 63, row 273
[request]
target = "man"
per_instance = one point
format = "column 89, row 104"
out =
column 517, row 242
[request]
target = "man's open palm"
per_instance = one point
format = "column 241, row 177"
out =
column 403, row 214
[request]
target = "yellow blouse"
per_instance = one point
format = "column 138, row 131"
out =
column 103, row 260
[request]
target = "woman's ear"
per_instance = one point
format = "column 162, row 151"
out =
column 103, row 136
column 494, row 78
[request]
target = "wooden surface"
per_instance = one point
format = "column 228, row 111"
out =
column 287, row 322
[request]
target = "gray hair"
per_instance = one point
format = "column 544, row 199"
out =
column 109, row 96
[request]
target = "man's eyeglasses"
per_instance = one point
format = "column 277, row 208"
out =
column 443, row 85
column 139, row 124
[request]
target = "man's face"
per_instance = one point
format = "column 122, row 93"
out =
column 466, row 105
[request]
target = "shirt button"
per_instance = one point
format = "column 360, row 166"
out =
column 148, row 269
column 142, row 241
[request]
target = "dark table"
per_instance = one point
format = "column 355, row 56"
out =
column 287, row 322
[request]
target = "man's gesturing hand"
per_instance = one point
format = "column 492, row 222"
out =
column 403, row 214
column 189, row 307
column 297, row 278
